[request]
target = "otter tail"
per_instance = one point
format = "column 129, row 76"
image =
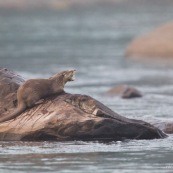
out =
column 21, row 107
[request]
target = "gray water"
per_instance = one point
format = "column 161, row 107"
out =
column 93, row 41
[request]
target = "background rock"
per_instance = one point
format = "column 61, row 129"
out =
column 124, row 91
column 155, row 45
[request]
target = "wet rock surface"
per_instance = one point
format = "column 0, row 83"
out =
column 66, row 117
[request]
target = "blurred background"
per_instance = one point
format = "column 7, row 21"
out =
column 39, row 38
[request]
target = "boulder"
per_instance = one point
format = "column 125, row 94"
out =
column 124, row 91
column 66, row 117
column 156, row 45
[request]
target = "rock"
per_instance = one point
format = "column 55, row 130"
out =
column 9, row 83
column 156, row 45
column 124, row 91
column 163, row 124
column 66, row 117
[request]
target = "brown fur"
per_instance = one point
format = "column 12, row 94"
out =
column 35, row 89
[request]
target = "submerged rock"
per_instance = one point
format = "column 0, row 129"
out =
column 124, row 91
column 154, row 46
column 163, row 124
column 66, row 117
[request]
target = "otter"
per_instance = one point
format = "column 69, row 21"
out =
column 33, row 90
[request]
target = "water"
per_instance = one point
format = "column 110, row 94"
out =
column 78, row 156
column 92, row 40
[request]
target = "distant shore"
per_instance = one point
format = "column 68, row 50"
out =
column 51, row 4
column 65, row 4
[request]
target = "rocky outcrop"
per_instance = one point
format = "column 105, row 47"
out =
column 66, row 117
column 124, row 91
column 155, row 45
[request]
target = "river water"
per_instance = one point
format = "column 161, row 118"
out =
column 93, row 41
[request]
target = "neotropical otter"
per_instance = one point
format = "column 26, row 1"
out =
column 35, row 89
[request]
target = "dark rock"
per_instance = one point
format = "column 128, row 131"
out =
column 66, row 117
column 124, row 91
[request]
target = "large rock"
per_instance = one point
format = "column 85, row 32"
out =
column 66, row 117
column 155, row 45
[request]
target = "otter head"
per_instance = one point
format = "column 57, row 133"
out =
column 64, row 76
column 69, row 75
